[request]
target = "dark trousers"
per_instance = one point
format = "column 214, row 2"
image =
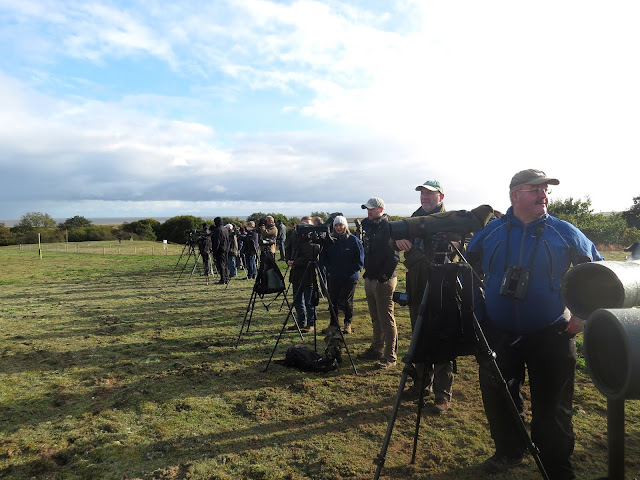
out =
column 222, row 266
column 204, row 255
column 341, row 291
column 549, row 358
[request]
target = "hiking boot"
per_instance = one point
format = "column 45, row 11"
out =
column 308, row 329
column 369, row 354
column 439, row 406
column 294, row 327
column 330, row 328
column 500, row 463
column 383, row 364
column 347, row 328
column 413, row 392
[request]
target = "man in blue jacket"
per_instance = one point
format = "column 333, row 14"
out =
column 523, row 255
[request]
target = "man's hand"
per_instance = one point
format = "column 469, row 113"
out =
column 290, row 262
column 575, row 325
column 404, row 245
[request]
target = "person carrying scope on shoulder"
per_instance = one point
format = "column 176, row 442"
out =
column 418, row 255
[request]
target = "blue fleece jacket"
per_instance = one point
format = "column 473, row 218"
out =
column 344, row 257
column 559, row 245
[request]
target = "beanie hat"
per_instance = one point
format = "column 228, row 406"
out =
column 340, row 220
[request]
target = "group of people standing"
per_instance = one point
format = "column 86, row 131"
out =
column 530, row 329
column 231, row 250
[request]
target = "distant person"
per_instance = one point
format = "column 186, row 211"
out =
column 233, row 251
column 281, row 237
column 250, row 250
column 204, row 248
column 220, row 249
column 268, row 236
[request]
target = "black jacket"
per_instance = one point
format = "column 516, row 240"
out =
column 219, row 237
column 380, row 258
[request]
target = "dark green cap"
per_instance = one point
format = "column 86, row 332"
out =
column 433, row 185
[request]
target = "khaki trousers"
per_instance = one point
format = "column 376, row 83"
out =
column 380, row 301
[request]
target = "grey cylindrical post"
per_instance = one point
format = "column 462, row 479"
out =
column 612, row 351
column 590, row 286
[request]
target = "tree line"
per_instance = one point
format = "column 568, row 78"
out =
column 618, row 229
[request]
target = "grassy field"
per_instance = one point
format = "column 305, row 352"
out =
column 111, row 368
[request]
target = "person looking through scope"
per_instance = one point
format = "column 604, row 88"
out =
column 220, row 249
column 250, row 249
column 301, row 250
column 233, row 251
column 419, row 253
column 268, row 236
column 204, row 247
column 343, row 258
column 380, row 262
column 523, row 256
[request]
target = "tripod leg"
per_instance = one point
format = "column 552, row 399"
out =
column 191, row 252
column 423, row 379
column 250, row 306
column 290, row 307
column 179, row 258
column 380, row 459
column 284, row 325
column 323, row 287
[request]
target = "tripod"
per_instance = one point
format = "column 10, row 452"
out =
column 320, row 280
column 269, row 279
column 470, row 339
column 196, row 256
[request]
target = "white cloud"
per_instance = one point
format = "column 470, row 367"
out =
column 466, row 92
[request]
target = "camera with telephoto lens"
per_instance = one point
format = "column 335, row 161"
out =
column 515, row 282
column 401, row 298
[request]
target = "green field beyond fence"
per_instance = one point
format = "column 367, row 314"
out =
column 109, row 247
column 118, row 365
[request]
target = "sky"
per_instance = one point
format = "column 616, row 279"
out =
column 160, row 108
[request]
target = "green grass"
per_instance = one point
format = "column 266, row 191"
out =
column 113, row 369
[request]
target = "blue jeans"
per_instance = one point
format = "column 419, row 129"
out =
column 250, row 263
column 233, row 271
column 305, row 311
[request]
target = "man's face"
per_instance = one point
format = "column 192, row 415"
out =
column 269, row 221
column 530, row 201
column 430, row 199
column 374, row 213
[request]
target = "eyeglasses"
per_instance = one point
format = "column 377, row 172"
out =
column 538, row 190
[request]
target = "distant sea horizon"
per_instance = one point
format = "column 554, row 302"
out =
column 110, row 220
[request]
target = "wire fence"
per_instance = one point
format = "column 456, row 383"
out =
column 106, row 248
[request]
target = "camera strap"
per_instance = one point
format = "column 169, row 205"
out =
column 539, row 231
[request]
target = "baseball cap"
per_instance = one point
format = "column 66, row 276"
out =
column 532, row 176
column 373, row 202
column 433, row 185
